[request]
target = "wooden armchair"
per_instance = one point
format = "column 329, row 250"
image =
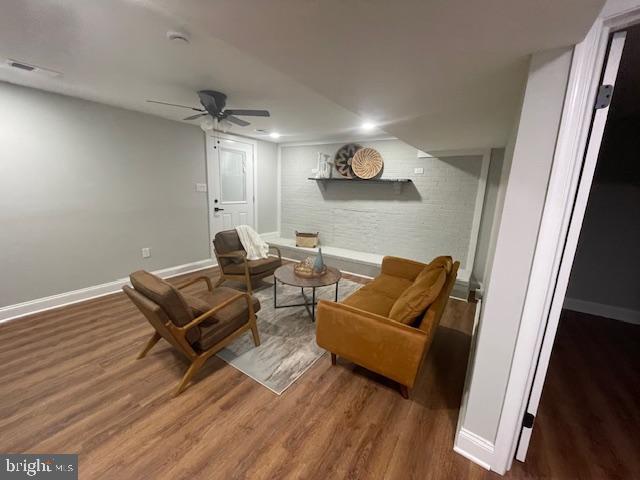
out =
column 233, row 263
column 197, row 326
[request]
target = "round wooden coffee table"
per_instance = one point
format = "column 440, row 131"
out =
column 286, row 275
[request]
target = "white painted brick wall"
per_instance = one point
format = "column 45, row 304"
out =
column 429, row 218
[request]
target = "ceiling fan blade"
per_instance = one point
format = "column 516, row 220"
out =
column 236, row 120
column 197, row 115
column 176, row 105
column 251, row 113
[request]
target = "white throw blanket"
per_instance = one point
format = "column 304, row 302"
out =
column 255, row 247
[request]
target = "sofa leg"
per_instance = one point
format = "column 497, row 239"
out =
column 404, row 391
column 333, row 359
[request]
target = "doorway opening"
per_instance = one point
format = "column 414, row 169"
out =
column 586, row 417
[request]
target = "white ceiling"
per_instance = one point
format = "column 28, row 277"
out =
column 437, row 74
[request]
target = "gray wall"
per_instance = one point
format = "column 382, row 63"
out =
column 432, row 216
column 510, row 267
column 605, row 268
column 491, row 194
column 267, row 186
column 83, row 187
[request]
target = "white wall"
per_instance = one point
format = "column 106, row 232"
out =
column 432, row 216
column 490, row 209
column 510, row 267
column 267, row 186
column 83, row 187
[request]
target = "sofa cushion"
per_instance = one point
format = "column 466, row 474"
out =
column 227, row 241
column 442, row 261
column 226, row 321
column 389, row 285
column 415, row 299
column 238, row 256
column 370, row 300
column 256, row 267
column 168, row 297
column 197, row 305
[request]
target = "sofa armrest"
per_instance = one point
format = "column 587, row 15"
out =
column 377, row 343
column 401, row 267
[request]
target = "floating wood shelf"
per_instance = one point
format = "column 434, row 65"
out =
column 397, row 183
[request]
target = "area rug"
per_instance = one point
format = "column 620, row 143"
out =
column 288, row 337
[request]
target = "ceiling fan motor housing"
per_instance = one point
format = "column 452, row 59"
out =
column 219, row 101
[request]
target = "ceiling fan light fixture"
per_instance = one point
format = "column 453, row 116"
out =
column 207, row 124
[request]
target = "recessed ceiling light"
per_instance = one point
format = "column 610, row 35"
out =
column 366, row 126
column 274, row 135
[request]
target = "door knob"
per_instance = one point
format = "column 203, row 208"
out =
column 216, row 209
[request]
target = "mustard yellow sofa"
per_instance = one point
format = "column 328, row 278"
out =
column 361, row 329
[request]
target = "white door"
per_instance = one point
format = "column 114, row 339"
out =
column 230, row 164
column 582, row 195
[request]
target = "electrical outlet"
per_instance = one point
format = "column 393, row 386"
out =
column 419, row 171
column 201, row 187
column 146, row 252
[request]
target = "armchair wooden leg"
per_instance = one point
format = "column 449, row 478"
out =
column 192, row 370
column 334, row 359
column 152, row 341
column 404, row 391
column 254, row 332
column 219, row 282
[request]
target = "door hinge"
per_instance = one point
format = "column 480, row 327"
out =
column 528, row 419
column 603, row 100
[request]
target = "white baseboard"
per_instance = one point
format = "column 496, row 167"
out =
column 11, row 312
column 475, row 448
column 354, row 262
column 603, row 310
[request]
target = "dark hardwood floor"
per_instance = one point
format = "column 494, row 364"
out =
column 70, row 384
column 588, row 422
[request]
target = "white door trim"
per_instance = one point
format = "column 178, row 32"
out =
column 584, row 80
column 209, row 137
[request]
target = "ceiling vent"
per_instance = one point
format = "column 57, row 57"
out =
column 27, row 67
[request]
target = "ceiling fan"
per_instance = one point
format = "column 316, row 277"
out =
column 213, row 103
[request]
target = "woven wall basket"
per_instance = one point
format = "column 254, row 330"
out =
column 343, row 158
column 367, row 163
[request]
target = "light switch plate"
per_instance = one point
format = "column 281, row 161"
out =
column 201, row 187
column 418, row 170
column 146, row 252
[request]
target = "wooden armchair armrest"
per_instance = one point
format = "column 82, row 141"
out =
column 209, row 313
column 207, row 280
column 378, row 343
column 273, row 247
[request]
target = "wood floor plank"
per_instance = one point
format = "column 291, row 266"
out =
column 71, row 384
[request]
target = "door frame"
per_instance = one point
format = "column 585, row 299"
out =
column 210, row 136
column 546, row 287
